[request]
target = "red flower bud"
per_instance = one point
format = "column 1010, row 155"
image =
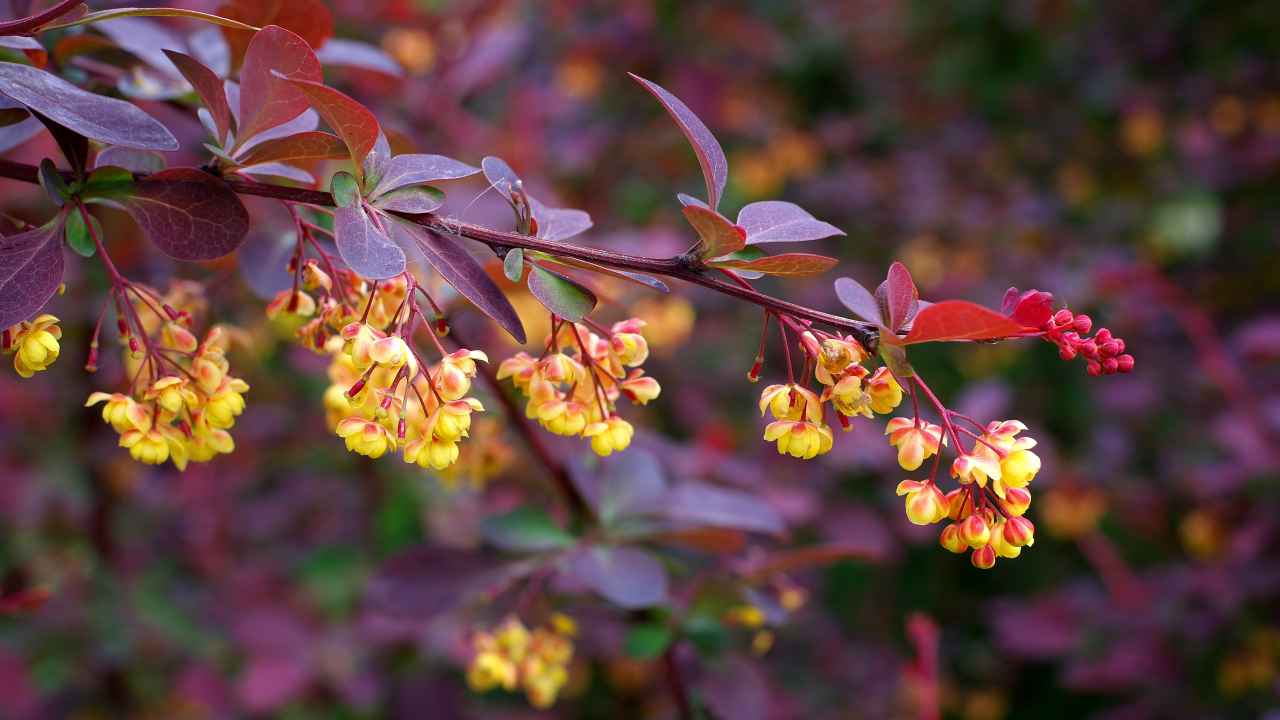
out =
column 1094, row 368
column 1111, row 349
column 1124, row 363
column 1083, row 324
column 1110, row 366
column 1103, row 336
column 983, row 558
column 1019, row 532
column 1063, row 317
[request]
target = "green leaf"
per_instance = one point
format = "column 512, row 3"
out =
column 52, row 182
column 513, row 264
column 525, row 529
column 78, row 236
column 646, row 642
column 345, row 189
column 107, row 182
column 560, row 295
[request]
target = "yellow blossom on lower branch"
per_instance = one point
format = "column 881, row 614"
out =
column 34, row 344
column 512, row 657
column 800, row 438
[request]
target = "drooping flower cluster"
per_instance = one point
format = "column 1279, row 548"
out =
column 799, row 426
column 512, row 657
column 573, row 388
column 183, row 400
column 33, row 344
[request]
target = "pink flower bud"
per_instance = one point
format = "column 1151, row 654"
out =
column 1083, row 324
column 1124, row 363
column 1019, row 532
column 1103, row 336
column 1063, row 317
column 984, row 558
column 1111, row 349
column 1094, row 368
column 1110, row 366
column 1088, row 348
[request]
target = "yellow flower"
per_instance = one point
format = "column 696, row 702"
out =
column 292, row 304
column 976, row 467
column 452, row 421
column 925, row 503
column 222, row 408
column 640, row 389
column 884, row 390
column 542, row 686
column 915, row 442
column 121, row 411
column 800, row 438
column 835, row 355
column 846, row 394
column 147, row 446
column 358, row 339
column 35, row 345
column 490, row 670
column 1018, row 468
column 627, row 343
column 454, row 373
column 391, row 353
column 172, row 394
column 747, row 616
column 520, row 368
column 612, row 435
column 791, row 402
column 366, row 437
column 564, row 417
column 431, row 453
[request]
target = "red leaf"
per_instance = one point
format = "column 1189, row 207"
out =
column 310, row 19
column 898, row 296
column 719, row 236
column 961, row 320
column 188, row 214
column 211, row 89
column 266, row 98
column 352, row 121
column 314, row 145
column 30, row 271
column 715, row 168
column 784, row 264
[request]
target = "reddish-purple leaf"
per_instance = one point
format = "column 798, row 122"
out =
column 403, row 170
column 858, row 299
column 310, row 19
column 1032, row 308
column 147, row 40
column 559, row 223
column 414, row 200
column 715, row 168
column 773, row 221
column 500, row 175
column 263, row 260
column 352, row 121
column 626, row 485
column 30, row 271
column 145, row 162
column 898, row 297
column 719, row 236
column 466, row 276
column 696, row 504
column 422, row 582
column 365, row 247
column 628, row 577
column 11, row 136
column 267, row 98
column 785, row 264
column 961, row 320
column 351, row 53
column 111, row 121
column 188, row 214
column 559, row 294
column 211, row 89
column 795, row 559
column 313, row 145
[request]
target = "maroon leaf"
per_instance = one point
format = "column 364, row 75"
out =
column 111, row 121
column 718, row 235
column 697, row 504
column 858, row 299
column 715, row 168
column 267, row 98
column 961, row 320
column 559, row 223
column 358, row 55
column 776, row 221
column 784, row 264
column 30, row 271
column 898, row 297
column 188, row 214
column 313, row 145
column 628, row 577
column 364, row 246
column 466, row 276
column 352, row 121
column 404, row 170
column 310, row 19
column 211, row 89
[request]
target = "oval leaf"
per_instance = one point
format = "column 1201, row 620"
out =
column 858, row 299
column 275, row 57
column 559, row 223
column 414, row 200
column 961, row 320
column 718, row 235
column 715, row 168
column 785, row 264
column 776, row 221
column 513, row 265
column 403, row 170
column 640, row 279
column 144, row 162
column 560, row 295
column 898, row 297
column 499, row 174
column 352, row 121
column 525, row 529
column 188, row 214
column 628, row 577
column 351, row 53
column 30, row 272
column 697, row 504
column 210, row 88
column 364, row 247
column 314, row 145
column 111, row 121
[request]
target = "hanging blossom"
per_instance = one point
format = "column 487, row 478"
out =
column 512, row 657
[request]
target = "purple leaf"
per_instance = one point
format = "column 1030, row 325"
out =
column 211, row 89
column 426, row 581
column 858, row 299
column 111, row 121
column 189, row 214
column 266, row 98
column 263, row 260
column 148, row 40
column 627, row 484
column 687, row 200
column 375, row 163
column 715, row 168
column 403, row 170
column 137, row 161
column 793, row 264
column 776, row 221
column 11, row 136
column 640, row 279
column 306, row 122
column 500, row 175
column 698, row 504
column 364, row 246
column 21, row 42
column 559, row 223
column 30, row 271
column 628, row 577
column 466, row 276
column 414, row 200
column 351, row 53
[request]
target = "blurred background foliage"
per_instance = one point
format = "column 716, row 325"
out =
column 1125, row 156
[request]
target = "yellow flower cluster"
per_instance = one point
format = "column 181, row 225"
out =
column 33, row 343
column 574, row 387
column 799, row 426
column 511, row 657
column 190, row 402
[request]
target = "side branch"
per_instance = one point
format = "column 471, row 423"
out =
column 674, row 268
